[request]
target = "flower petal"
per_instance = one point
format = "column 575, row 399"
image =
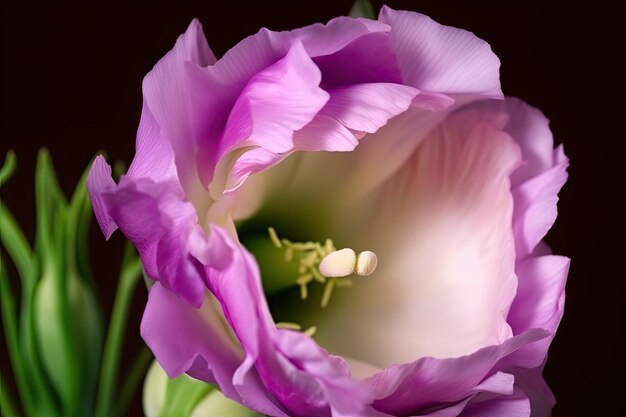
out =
column 178, row 334
column 442, row 59
column 166, row 96
column 441, row 381
column 158, row 222
column 515, row 405
column 537, row 181
column 276, row 102
column 367, row 107
column 535, row 207
column 100, row 181
column 441, row 230
column 539, row 303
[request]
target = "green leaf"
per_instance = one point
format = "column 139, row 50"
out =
column 18, row 248
column 51, row 210
column 133, row 380
column 362, row 8
column 37, row 397
column 129, row 277
column 9, row 324
column 7, row 170
column 77, row 229
column 86, row 316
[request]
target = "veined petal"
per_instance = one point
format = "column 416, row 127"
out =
column 154, row 155
column 159, row 223
column 166, row 95
column 367, row 107
column 296, row 371
column 442, row 59
column 535, row 207
column 532, row 383
column 352, row 111
column 443, row 381
column 536, row 182
column 179, row 335
column 100, row 181
column 515, row 405
column 275, row 103
column 442, row 230
column 539, row 303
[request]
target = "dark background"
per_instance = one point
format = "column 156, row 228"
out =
column 71, row 81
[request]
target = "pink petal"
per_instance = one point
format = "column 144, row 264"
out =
column 441, row 380
column 515, row 405
column 159, row 223
column 275, row 103
column 539, row 303
column 441, row 229
column 100, row 181
column 442, row 59
column 368, row 107
column 179, row 335
column 535, row 207
column 166, row 97
column 154, row 156
column 536, row 182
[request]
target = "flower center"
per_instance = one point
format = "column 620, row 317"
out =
column 324, row 264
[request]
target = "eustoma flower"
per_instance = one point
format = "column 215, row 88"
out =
column 387, row 137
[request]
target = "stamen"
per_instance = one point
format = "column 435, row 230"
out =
column 288, row 325
column 324, row 264
column 366, row 263
column 328, row 291
column 275, row 240
column 340, row 263
column 310, row 331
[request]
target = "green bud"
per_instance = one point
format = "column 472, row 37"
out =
column 69, row 337
column 186, row 397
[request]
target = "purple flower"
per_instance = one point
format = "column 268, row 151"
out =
column 389, row 136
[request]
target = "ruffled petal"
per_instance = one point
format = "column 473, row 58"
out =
column 159, row 224
column 301, row 376
column 515, row 405
column 368, row 107
column 180, row 335
column 440, row 58
column 539, row 303
column 352, row 111
column 536, row 182
column 441, row 382
column 537, row 390
column 535, row 207
column 100, row 181
column 166, row 96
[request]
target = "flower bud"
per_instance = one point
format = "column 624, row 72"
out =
column 187, row 396
column 68, row 334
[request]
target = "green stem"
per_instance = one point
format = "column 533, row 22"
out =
column 129, row 277
column 33, row 389
column 9, row 322
column 363, row 8
column 133, row 380
column 17, row 247
column 7, row 170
